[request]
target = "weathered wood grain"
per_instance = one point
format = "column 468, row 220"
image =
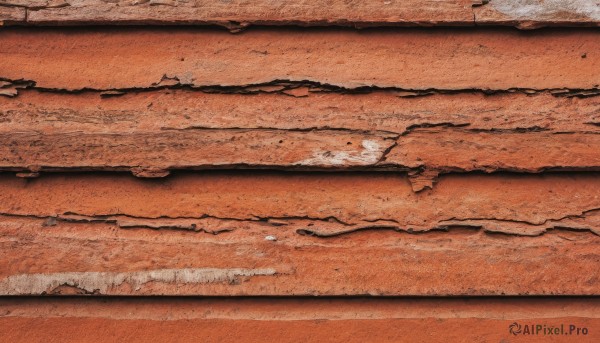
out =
column 374, row 115
column 155, row 154
column 447, row 150
column 312, row 108
column 335, row 203
column 238, row 14
column 291, row 320
column 153, row 133
column 107, row 59
column 75, row 255
column 192, row 149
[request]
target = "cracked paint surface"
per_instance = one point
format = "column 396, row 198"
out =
column 512, row 204
column 237, row 15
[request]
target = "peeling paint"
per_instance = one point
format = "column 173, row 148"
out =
column 370, row 154
column 422, row 179
column 539, row 9
column 103, row 282
column 586, row 221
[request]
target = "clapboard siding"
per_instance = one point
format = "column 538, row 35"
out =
column 431, row 176
column 155, row 154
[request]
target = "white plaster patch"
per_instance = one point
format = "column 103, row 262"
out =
column 537, row 9
column 369, row 155
column 104, row 281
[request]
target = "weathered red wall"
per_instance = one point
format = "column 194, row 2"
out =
column 297, row 178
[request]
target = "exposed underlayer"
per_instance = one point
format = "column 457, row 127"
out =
column 296, row 107
column 286, row 174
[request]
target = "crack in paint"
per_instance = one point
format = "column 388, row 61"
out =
column 331, row 226
column 524, row 14
column 286, row 87
column 371, row 154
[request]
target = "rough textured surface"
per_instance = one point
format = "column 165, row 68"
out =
column 238, row 14
column 460, row 150
column 528, row 14
column 151, row 133
column 441, row 150
column 192, row 149
column 519, row 204
column 11, row 15
column 123, row 256
column 292, row 177
column 525, row 102
column 111, row 59
column 267, row 238
column 272, row 107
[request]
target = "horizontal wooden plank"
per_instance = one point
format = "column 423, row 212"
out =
column 238, row 14
column 110, row 256
column 437, row 151
column 294, row 107
column 298, row 126
column 294, row 320
column 518, row 204
column 307, row 308
column 107, row 59
column 270, row 233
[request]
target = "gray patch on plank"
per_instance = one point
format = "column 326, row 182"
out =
column 534, row 9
